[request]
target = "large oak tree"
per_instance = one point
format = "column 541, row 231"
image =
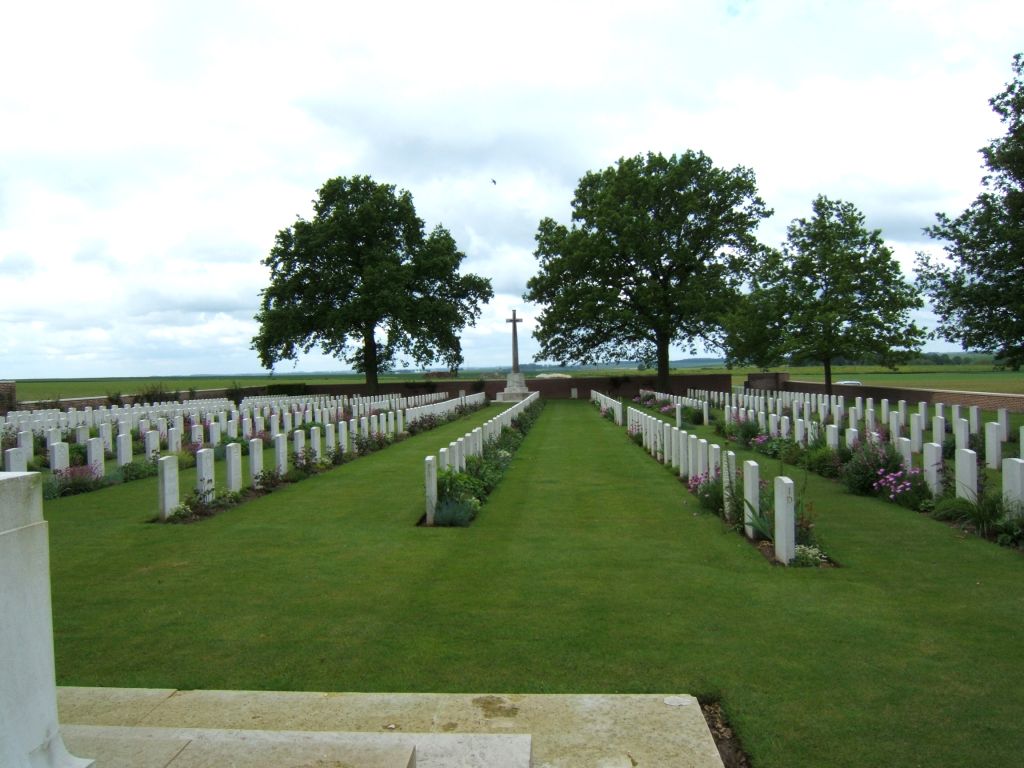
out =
column 979, row 295
column 837, row 292
column 361, row 281
column 656, row 249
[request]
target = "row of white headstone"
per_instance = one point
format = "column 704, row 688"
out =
column 42, row 421
column 777, row 424
column 445, row 408
column 607, row 403
column 454, row 455
column 335, row 408
column 335, row 436
column 810, row 404
column 698, row 457
column 204, row 411
column 698, row 400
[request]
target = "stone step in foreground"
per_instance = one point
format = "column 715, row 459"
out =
column 116, row 746
column 564, row 730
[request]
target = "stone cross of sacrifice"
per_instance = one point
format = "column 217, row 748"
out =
column 515, row 341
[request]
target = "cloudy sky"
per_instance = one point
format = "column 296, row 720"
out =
column 150, row 151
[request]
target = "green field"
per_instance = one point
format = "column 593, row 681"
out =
column 969, row 378
column 589, row 570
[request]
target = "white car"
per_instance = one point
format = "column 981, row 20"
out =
column 849, row 383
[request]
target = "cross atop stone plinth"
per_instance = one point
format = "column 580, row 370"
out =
column 515, row 389
column 515, row 341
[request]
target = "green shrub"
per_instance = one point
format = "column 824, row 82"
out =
column 823, row 461
column 952, row 509
column 137, row 470
column 867, row 463
column 454, row 513
column 692, row 416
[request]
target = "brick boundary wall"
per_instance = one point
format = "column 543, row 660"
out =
column 988, row 401
column 8, row 396
column 557, row 389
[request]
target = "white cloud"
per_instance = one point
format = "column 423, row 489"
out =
column 152, row 151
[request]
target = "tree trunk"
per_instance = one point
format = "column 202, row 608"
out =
column 828, row 376
column 661, row 344
column 370, row 363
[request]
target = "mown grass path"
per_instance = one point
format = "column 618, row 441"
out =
column 589, row 569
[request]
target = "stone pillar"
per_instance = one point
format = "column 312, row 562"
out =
column 29, row 730
column 785, row 520
column 938, row 429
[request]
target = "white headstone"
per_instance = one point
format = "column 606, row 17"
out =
column 94, row 456
column 59, row 456
column 152, row 443
column 785, row 520
column 933, row 467
column 966, row 462
column 961, row 433
column 751, row 495
column 14, row 460
column 233, row 466
column 124, row 450
column 205, row 482
column 430, row 483
column 1013, row 486
column 167, row 480
column 255, row 460
column 903, row 447
column 993, row 445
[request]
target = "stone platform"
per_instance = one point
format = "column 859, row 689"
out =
column 165, row 728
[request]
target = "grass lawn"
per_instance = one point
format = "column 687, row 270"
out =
column 588, row 570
